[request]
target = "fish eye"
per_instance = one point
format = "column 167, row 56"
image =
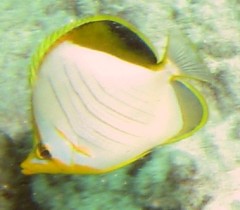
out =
column 43, row 152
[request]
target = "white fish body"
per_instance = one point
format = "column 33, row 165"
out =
column 119, row 108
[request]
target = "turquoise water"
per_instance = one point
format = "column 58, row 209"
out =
column 200, row 172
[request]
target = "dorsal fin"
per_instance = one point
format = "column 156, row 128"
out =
column 104, row 33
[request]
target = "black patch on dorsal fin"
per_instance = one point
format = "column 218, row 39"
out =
column 132, row 41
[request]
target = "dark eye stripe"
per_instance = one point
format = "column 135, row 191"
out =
column 43, row 152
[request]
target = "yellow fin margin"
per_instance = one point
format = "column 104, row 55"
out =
column 61, row 34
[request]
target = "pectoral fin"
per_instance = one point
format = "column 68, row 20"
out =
column 184, row 55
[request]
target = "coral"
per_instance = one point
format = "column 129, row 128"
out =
column 200, row 172
column 14, row 187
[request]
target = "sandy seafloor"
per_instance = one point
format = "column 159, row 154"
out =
column 201, row 172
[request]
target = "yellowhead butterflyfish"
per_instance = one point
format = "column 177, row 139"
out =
column 102, row 97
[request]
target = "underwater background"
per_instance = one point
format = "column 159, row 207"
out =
column 199, row 173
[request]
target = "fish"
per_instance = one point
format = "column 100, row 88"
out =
column 103, row 96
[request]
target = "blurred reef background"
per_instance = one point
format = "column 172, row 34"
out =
column 201, row 172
